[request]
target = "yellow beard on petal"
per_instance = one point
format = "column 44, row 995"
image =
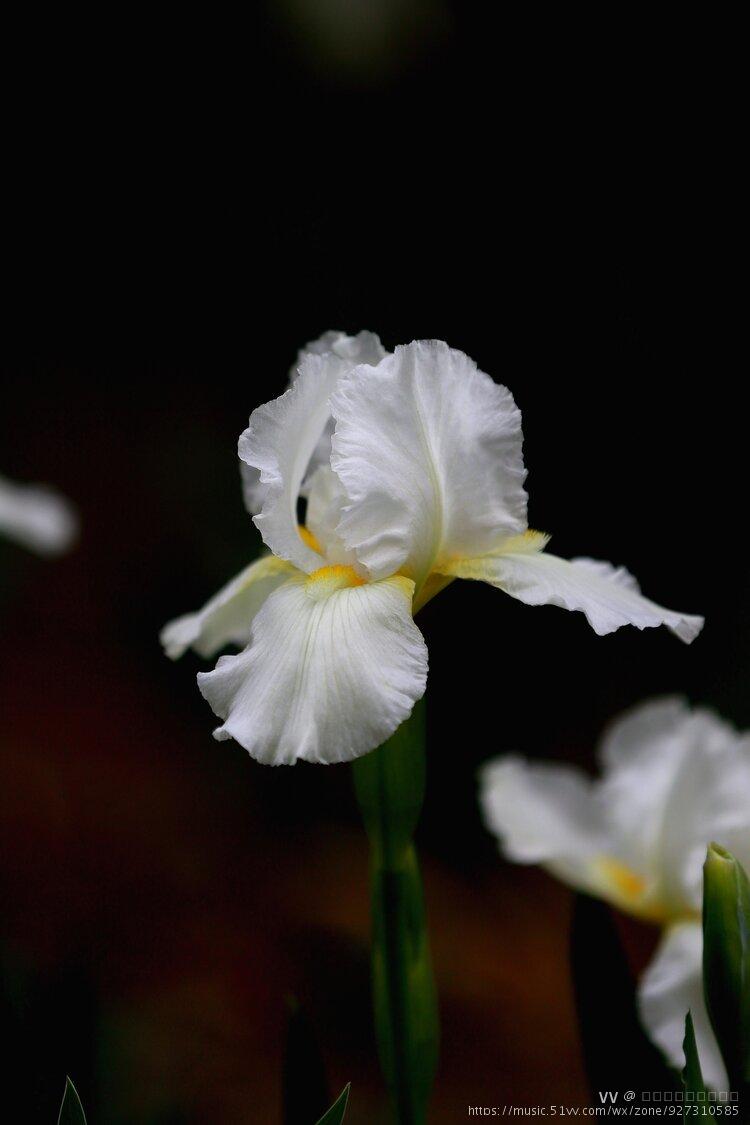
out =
column 628, row 890
column 629, row 883
column 325, row 581
column 482, row 567
column 528, row 543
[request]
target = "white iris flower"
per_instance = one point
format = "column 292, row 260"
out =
column 412, row 468
column 36, row 517
column 672, row 781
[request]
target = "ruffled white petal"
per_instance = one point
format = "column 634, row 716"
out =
column 365, row 347
column 227, row 618
column 607, row 595
column 671, row 987
column 37, row 517
column 545, row 813
column 254, row 492
column 332, row 668
column 279, row 442
column 428, row 449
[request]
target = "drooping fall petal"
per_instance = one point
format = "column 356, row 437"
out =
column 227, row 617
column 332, row 668
column 608, row 596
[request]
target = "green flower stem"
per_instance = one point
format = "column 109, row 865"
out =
column 390, row 789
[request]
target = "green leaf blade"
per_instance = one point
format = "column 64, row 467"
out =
column 71, row 1110
column 692, row 1075
column 335, row 1115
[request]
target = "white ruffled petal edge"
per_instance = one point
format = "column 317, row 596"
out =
column 607, row 595
column 279, row 442
column 365, row 347
column 428, row 449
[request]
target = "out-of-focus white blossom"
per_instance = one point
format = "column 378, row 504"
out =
column 672, row 780
column 37, row 517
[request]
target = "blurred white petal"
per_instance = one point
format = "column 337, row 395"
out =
column 549, row 814
column 674, row 779
column 37, row 517
column 672, row 986
column 332, row 668
column 544, row 813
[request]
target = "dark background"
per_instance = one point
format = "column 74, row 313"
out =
column 188, row 204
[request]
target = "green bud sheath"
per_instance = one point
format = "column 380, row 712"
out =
column 726, row 961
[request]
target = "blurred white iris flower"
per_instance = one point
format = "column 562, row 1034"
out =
column 412, row 469
column 36, row 517
column 672, row 781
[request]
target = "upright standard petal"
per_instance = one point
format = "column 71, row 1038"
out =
column 671, row 987
column 608, row 596
column 365, row 347
column 37, row 517
column 332, row 668
column 226, row 619
column 428, row 449
column 279, row 442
